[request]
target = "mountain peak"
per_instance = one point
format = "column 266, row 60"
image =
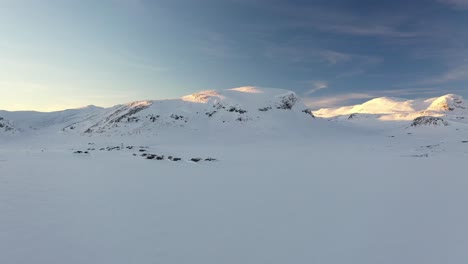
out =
column 448, row 102
column 393, row 108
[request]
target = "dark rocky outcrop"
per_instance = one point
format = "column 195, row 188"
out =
column 264, row 109
column 5, row 125
column 309, row 112
column 429, row 121
column 287, row 101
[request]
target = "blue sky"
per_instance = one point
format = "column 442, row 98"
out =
column 57, row 54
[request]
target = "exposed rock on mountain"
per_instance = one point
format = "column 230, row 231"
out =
column 429, row 121
column 449, row 102
column 6, row 126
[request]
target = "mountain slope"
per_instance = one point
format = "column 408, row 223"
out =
column 238, row 108
column 384, row 108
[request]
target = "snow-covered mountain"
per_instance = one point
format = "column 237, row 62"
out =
column 448, row 107
column 253, row 107
column 246, row 106
column 249, row 110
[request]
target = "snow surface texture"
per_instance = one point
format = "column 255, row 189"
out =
column 285, row 187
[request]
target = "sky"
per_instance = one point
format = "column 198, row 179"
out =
column 57, row 54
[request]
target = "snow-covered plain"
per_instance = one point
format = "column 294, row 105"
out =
column 285, row 187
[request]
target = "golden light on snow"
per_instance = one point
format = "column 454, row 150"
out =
column 395, row 109
column 247, row 89
column 202, row 97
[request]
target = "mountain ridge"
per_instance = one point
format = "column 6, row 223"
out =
column 235, row 109
column 228, row 109
column 400, row 109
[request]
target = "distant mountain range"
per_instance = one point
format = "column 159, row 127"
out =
column 448, row 107
column 246, row 108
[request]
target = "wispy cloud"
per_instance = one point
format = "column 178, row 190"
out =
column 456, row 3
column 317, row 86
column 345, row 22
column 334, row 57
column 299, row 54
column 217, row 45
column 368, row 30
column 456, row 73
column 449, row 52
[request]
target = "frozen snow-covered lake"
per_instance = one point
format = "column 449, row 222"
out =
column 297, row 201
